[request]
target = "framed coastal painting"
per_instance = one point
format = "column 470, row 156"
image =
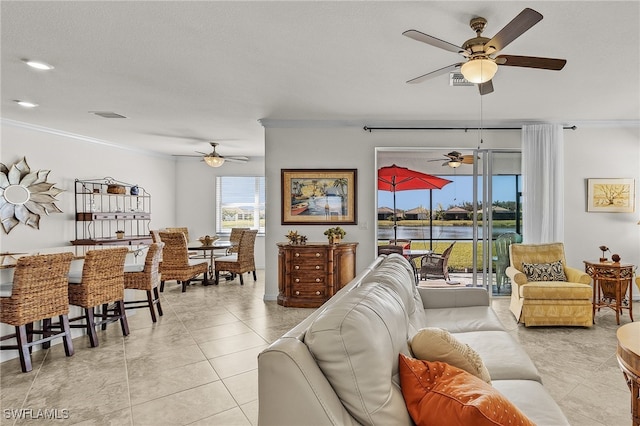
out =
column 611, row 195
column 319, row 196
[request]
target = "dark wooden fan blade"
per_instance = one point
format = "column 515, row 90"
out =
column 433, row 41
column 486, row 88
column 514, row 29
column 435, row 73
column 531, row 62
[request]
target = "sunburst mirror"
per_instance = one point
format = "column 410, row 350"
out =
column 25, row 195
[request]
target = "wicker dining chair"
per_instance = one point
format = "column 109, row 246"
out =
column 100, row 283
column 147, row 278
column 155, row 235
column 176, row 264
column 182, row 229
column 234, row 239
column 242, row 261
column 39, row 292
column 185, row 231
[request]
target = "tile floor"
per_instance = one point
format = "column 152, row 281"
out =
column 197, row 365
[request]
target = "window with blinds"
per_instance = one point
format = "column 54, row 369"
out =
column 240, row 203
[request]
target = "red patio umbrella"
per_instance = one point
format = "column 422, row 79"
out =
column 395, row 178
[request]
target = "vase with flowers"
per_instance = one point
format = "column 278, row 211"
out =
column 335, row 235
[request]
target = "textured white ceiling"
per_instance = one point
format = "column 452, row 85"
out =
column 185, row 73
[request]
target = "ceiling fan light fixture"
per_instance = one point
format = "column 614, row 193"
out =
column 479, row 70
column 214, row 161
column 454, row 164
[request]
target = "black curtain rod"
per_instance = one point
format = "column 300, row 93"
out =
column 466, row 129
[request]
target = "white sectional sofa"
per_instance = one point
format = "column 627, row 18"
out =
column 340, row 366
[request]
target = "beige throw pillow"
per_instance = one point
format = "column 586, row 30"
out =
column 436, row 344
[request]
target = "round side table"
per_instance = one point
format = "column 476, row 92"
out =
column 628, row 355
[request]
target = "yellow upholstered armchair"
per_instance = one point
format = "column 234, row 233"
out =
column 544, row 290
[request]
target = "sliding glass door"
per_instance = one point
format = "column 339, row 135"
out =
column 498, row 216
column 480, row 203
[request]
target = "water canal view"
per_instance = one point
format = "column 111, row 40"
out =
column 417, row 233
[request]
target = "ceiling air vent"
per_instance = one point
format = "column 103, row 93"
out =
column 107, row 114
column 457, row 79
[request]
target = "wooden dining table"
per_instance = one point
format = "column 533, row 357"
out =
column 209, row 250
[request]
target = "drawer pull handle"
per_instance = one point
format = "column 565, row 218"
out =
column 317, row 293
column 317, row 280
column 297, row 280
column 297, row 254
column 297, row 267
column 317, row 267
column 317, row 254
column 297, row 293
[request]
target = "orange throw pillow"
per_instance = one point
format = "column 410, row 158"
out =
column 438, row 393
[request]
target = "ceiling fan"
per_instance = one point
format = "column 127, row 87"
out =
column 482, row 64
column 214, row 159
column 455, row 159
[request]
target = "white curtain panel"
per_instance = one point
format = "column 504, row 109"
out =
column 543, row 183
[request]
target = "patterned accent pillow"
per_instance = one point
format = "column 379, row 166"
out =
column 553, row 271
column 437, row 393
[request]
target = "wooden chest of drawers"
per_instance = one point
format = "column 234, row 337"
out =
column 308, row 275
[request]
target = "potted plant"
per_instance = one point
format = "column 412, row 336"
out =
column 119, row 235
column 335, row 235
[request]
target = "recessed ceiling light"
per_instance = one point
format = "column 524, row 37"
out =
column 39, row 65
column 25, row 104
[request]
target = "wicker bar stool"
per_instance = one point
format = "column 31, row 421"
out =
column 176, row 264
column 242, row 261
column 100, row 283
column 147, row 279
column 39, row 292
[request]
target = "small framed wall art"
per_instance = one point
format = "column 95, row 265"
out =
column 611, row 195
column 319, row 196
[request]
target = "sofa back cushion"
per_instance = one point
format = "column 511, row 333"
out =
column 356, row 344
column 396, row 273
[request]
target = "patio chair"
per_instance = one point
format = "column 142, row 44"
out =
column 435, row 265
column 389, row 248
column 501, row 258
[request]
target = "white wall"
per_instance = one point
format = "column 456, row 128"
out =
column 196, row 196
column 70, row 158
column 600, row 153
column 589, row 152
